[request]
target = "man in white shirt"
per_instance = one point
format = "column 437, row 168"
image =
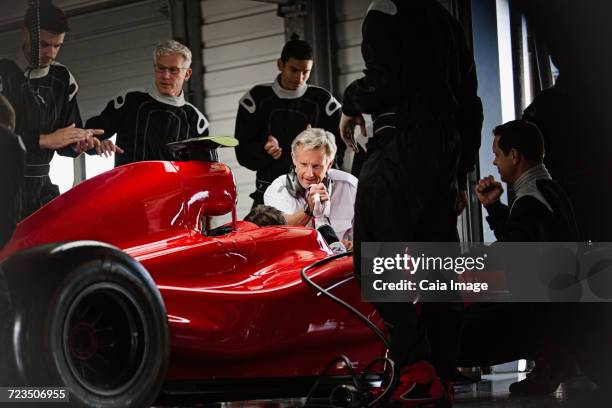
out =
column 312, row 193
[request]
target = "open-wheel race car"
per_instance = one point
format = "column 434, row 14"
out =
column 123, row 291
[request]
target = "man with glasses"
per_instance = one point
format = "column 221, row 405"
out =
column 146, row 121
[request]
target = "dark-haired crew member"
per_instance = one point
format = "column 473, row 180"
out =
column 146, row 121
column 420, row 88
column 271, row 115
column 44, row 99
column 265, row 215
column 540, row 212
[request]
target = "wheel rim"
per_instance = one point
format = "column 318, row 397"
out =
column 104, row 339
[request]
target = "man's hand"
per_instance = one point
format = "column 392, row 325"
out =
column 317, row 189
column 84, row 145
column 488, row 191
column 461, row 201
column 106, row 148
column 69, row 135
column 347, row 244
column 347, row 130
column 273, row 148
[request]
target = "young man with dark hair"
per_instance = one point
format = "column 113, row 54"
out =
column 52, row 18
column 43, row 95
column 271, row 115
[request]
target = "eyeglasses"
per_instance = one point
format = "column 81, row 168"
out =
column 160, row 69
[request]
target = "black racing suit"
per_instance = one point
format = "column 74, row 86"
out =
column 420, row 87
column 497, row 333
column 43, row 103
column 12, row 159
column 271, row 110
column 146, row 122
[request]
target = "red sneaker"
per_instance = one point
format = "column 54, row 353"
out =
column 419, row 386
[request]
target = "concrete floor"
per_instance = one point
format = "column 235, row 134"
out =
column 492, row 391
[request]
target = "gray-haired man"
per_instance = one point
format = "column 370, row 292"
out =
column 146, row 121
column 313, row 193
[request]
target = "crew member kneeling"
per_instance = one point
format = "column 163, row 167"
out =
column 313, row 193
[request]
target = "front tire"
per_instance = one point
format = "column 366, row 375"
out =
column 98, row 328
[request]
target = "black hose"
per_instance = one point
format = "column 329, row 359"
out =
column 390, row 367
column 349, row 366
column 356, row 312
column 365, row 320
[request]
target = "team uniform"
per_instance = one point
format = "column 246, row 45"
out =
column 420, row 88
column 145, row 122
column 270, row 109
column 540, row 212
column 44, row 101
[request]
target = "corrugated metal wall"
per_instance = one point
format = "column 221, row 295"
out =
column 349, row 15
column 242, row 41
column 111, row 51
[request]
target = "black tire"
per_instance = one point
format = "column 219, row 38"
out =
column 98, row 328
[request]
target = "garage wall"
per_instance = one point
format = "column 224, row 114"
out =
column 349, row 15
column 13, row 10
column 110, row 51
column 242, row 40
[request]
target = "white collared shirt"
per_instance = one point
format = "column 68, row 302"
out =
column 342, row 200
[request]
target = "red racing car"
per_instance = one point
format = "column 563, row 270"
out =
column 123, row 292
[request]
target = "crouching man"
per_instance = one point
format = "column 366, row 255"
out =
column 313, row 193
